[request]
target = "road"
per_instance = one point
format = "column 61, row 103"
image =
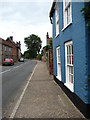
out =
column 14, row 79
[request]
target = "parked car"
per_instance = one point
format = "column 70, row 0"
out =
column 8, row 61
column 21, row 60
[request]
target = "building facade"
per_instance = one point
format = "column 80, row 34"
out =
column 5, row 50
column 0, row 51
column 16, row 51
column 71, row 52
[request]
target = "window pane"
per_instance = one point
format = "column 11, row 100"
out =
column 67, row 60
column 72, row 49
column 72, row 59
column 67, row 50
column 71, row 70
column 68, row 15
column 71, row 78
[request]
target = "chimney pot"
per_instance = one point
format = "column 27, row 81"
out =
column 11, row 37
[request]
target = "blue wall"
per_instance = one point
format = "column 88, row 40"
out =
column 77, row 33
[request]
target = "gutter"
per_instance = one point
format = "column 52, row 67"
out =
column 52, row 11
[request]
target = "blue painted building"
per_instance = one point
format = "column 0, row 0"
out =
column 71, row 52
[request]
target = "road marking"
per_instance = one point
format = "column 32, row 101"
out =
column 20, row 65
column 5, row 71
column 20, row 98
column 13, row 68
column 16, row 66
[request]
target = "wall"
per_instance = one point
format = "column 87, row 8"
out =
column 14, row 51
column 77, row 33
column 7, row 53
column 0, row 53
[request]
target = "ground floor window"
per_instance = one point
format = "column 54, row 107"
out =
column 69, row 65
column 58, row 63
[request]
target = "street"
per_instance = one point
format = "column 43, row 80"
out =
column 14, row 79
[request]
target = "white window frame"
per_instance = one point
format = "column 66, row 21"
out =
column 57, row 18
column 58, row 63
column 67, row 16
column 69, row 65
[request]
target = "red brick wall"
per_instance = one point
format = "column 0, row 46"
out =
column 14, row 51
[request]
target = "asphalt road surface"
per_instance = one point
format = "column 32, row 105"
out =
column 14, row 79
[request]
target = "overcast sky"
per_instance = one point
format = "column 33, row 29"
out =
column 22, row 19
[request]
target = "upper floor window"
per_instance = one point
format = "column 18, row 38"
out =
column 67, row 14
column 5, row 48
column 9, row 49
column 57, row 18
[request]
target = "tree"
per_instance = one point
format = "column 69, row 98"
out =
column 86, row 13
column 33, row 44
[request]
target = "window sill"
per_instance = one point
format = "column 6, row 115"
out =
column 58, row 77
column 66, row 26
column 69, row 86
column 56, row 35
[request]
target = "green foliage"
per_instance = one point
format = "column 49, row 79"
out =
column 33, row 44
column 86, row 13
column 46, row 48
column 50, row 43
column 26, row 54
column 39, row 57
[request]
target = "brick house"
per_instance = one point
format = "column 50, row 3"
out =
column 5, row 50
column 16, row 51
column 48, row 39
column 71, row 52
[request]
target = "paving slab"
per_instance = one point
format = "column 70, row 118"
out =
column 45, row 99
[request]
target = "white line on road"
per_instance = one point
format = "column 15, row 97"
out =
column 19, row 101
column 16, row 67
column 5, row 71
column 13, row 68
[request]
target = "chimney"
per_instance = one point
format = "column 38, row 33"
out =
column 11, row 37
column 47, row 36
column 19, row 45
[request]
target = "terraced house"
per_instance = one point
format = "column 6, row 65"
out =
column 10, row 49
column 16, row 51
column 5, row 50
column 71, row 52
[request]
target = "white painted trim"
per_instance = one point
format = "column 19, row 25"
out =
column 59, row 78
column 56, row 35
column 68, row 84
column 66, row 26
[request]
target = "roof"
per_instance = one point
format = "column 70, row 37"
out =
column 12, row 42
column 52, row 11
column 4, row 42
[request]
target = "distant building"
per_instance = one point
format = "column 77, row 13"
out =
column 16, row 51
column 5, row 50
column 48, row 39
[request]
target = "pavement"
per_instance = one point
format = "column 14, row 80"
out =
column 43, row 98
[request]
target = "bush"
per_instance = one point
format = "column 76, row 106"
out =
column 39, row 57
